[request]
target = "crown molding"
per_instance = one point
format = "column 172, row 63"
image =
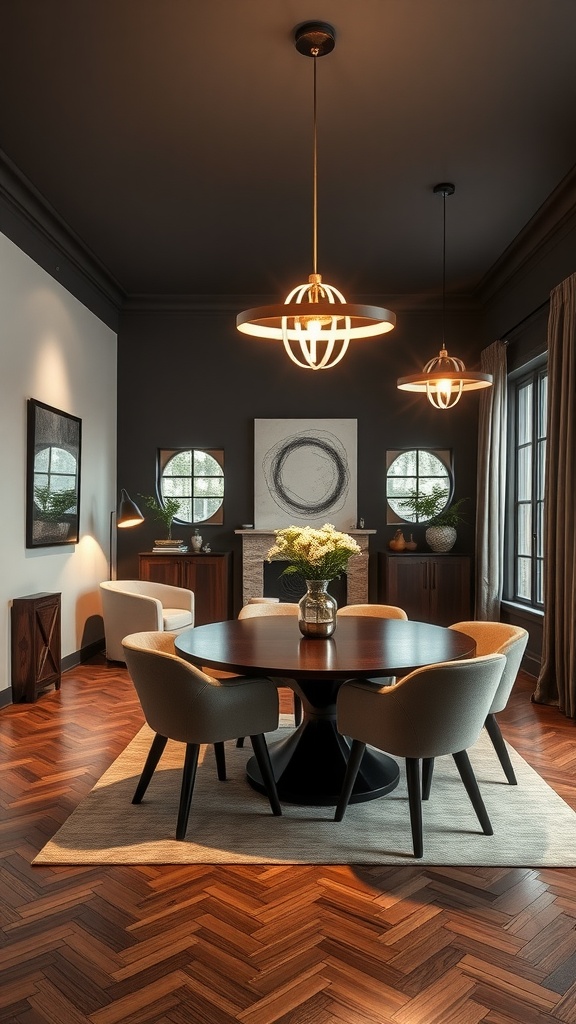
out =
column 555, row 219
column 31, row 223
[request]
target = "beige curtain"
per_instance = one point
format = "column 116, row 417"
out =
column 557, row 681
column 491, row 485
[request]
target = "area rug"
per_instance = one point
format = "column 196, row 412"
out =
column 230, row 823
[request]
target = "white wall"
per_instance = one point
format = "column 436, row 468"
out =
column 56, row 351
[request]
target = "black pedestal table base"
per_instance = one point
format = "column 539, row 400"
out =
column 310, row 763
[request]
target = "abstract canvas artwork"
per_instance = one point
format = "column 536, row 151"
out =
column 305, row 473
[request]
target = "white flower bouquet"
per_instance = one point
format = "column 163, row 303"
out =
column 314, row 554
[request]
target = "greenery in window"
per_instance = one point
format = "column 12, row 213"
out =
column 417, row 471
column 433, row 508
column 54, row 505
column 195, row 477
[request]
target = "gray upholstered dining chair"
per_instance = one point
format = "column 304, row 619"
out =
column 377, row 611
column 436, row 710
column 499, row 638
column 180, row 702
column 264, row 607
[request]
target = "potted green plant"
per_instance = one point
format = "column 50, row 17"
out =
column 165, row 512
column 54, row 505
column 442, row 518
column 53, row 508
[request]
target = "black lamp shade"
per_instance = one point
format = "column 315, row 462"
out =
column 128, row 512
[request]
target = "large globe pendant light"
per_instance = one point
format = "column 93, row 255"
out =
column 315, row 323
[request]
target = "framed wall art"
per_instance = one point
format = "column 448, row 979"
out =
column 305, row 473
column 52, row 476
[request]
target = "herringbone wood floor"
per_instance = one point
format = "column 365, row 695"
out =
column 252, row 945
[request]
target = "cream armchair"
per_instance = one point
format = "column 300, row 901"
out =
column 136, row 606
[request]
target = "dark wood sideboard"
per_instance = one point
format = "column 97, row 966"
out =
column 36, row 645
column 209, row 576
column 429, row 587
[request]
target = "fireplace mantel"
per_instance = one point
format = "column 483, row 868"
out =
column 257, row 543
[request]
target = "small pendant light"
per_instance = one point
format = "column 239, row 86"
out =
column 445, row 377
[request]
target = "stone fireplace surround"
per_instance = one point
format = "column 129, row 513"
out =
column 257, row 543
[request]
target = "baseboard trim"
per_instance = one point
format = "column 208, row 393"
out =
column 84, row 654
column 6, row 697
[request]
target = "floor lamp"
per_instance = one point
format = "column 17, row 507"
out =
column 127, row 514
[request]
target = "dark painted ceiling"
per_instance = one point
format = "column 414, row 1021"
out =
column 174, row 137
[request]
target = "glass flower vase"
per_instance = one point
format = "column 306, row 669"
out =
column 317, row 610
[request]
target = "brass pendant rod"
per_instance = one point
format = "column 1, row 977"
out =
column 444, row 272
column 315, row 52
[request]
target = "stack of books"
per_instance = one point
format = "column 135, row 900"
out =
column 167, row 548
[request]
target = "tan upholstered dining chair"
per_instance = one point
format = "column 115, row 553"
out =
column 499, row 638
column 261, row 608
column 182, row 703
column 436, row 710
column 380, row 611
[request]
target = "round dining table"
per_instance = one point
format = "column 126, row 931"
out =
column 309, row 763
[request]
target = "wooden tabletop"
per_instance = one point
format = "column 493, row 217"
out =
column 361, row 646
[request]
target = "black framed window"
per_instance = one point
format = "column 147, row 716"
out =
column 528, row 401
column 196, row 477
column 415, row 469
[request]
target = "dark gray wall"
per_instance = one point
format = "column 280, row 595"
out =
column 191, row 379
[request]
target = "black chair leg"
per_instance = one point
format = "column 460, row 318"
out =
column 220, row 761
column 154, row 755
column 427, row 772
column 493, row 730
column 260, row 748
column 240, row 741
column 297, row 709
column 415, row 804
column 354, row 761
column 469, row 779
column 188, row 779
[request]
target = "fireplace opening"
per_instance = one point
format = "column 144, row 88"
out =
column 293, row 586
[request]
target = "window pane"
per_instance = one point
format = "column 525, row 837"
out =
column 208, row 487
column 525, row 529
column 524, row 474
column 430, row 465
column 524, row 584
column 179, row 465
column 206, row 465
column 539, row 581
column 525, row 413
column 541, row 469
column 404, row 464
column 540, row 528
column 204, row 508
column 543, row 405
column 177, row 487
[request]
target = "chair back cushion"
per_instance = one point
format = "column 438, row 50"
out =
column 381, row 611
column 498, row 638
column 439, row 709
column 184, row 703
column 251, row 611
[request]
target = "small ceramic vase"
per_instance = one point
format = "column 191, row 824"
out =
column 397, row 543
column 196, row 541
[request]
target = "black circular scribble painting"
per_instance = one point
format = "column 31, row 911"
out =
column 307, row 474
